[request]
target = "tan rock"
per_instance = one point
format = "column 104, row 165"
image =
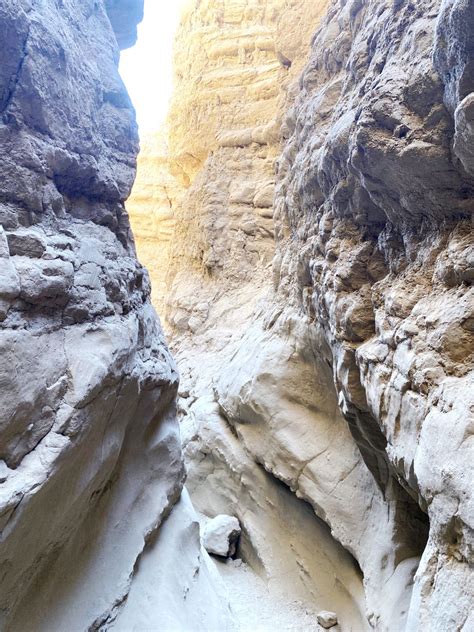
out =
column 327, row 619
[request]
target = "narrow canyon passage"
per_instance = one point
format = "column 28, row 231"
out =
column 236, row 339
column 292, row 276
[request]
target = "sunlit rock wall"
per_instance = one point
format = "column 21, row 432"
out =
column 151, row 207
column 235, row 64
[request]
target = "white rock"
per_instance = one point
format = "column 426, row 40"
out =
column 220, row 535
column 327, row 619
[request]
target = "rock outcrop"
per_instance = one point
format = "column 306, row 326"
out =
column 90, row 455
column 334, row 370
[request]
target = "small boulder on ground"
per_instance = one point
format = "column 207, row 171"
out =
column 220, row 535
column 327, row 619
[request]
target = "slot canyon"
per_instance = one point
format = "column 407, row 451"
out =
column 237, row 353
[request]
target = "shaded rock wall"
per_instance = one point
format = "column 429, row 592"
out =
column 374, row 211
column 90, row 456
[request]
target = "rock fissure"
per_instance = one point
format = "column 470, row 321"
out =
column 15, row 79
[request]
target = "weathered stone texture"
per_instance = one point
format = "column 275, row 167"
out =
column 152, row 205
column 90, row 456
column 345, row 368
column 374, row 213
column 230, row 89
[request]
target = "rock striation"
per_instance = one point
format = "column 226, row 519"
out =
column 151, row 206
column 319, row 295
column 90, row 455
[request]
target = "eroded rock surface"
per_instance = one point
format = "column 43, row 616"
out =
column 156, row 194
column 378, row 215
column 90, row 456
column 343, row 369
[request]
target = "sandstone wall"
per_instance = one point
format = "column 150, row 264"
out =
column 338, row 361
column 151, row 207
column 235, row 64
column 90, row 457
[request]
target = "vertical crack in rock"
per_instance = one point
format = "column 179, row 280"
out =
column 10, row 87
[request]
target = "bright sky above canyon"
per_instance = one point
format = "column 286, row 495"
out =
column 147, row 67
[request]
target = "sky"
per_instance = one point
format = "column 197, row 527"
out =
column 147, row 67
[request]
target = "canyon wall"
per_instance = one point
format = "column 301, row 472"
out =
column 151, row 206
column 376, row 203
column 90, row 455
column 318, row 296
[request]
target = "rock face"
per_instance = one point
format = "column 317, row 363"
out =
column 378, row 212
column 90, row 457
column 155, row 195
column 339, row 362
column 223, row 140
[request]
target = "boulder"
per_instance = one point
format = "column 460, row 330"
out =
column 327, row 619
column 220, row 535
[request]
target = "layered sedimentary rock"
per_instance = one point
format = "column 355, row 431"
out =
column 155, row 195
column 226, row 105
column 339, row 362
column 90, row 456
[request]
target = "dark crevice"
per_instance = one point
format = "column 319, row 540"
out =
column 309, row 507
column 15, row 79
